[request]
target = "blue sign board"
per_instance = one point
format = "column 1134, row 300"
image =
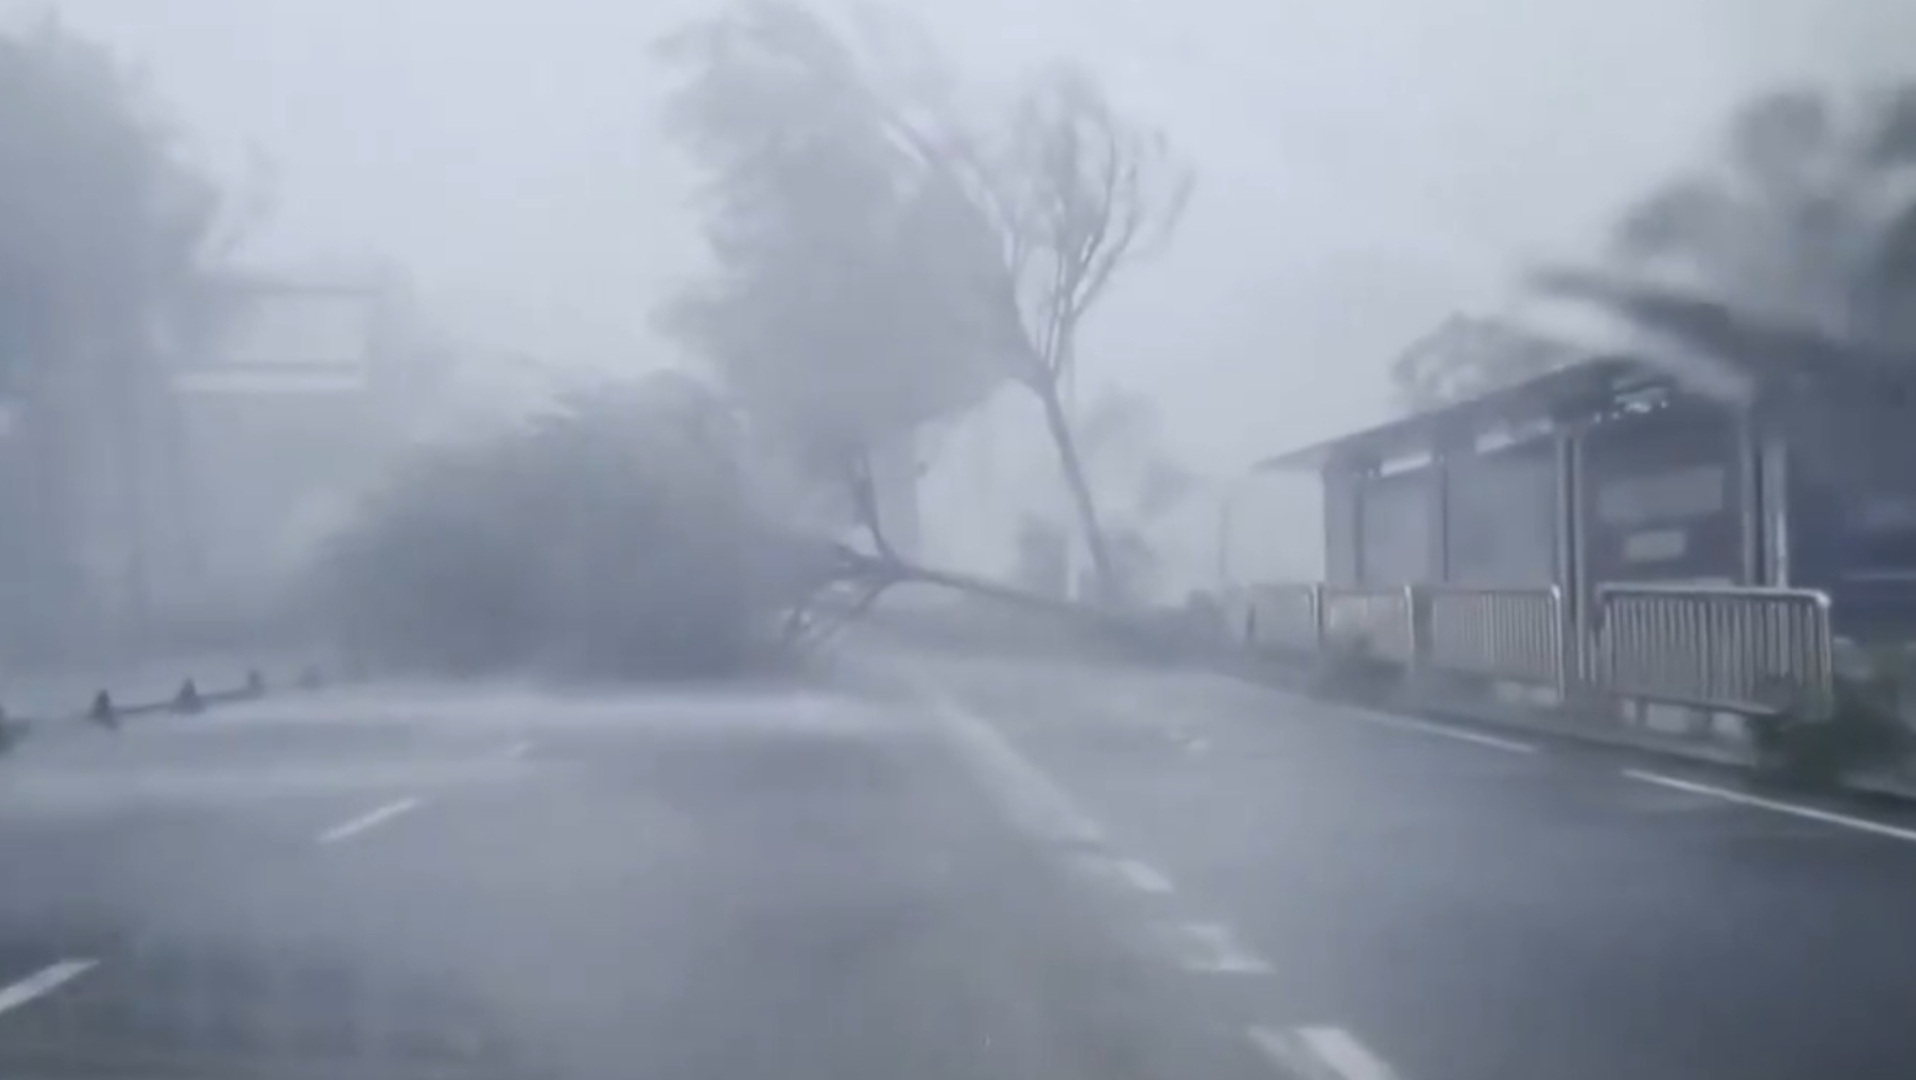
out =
column 1661, row 498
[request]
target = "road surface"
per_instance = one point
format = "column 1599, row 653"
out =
column 978, row 868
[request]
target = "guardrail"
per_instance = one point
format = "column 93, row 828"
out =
column 1512, row 634
column 1381, row 620
column 102, row 708
column 1746, row 650
column 1755, row 651
column 1284, row 618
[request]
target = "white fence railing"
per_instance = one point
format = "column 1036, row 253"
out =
column 1381, row 620
column 1499, row 633
column 1285, row 618
column 1748, row 650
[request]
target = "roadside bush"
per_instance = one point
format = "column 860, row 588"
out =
column 1864, row 729
column 613, row 537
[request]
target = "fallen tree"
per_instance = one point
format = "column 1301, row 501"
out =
column 861, row 291
column 626, row 533
column 615, row 534
column 884, row 259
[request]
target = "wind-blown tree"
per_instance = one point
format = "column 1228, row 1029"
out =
column 884, row 264
column 857, row 292
column 1795, row 255
column 106, row 238
column 1810, row 217
column 1467, row 356
column 850, row 303
column 1122, row 441
column 1077, row 192
column 614, row 535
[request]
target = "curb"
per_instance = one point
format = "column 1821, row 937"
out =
column 1507, row 718
column 1881, row 785
column 103, row 711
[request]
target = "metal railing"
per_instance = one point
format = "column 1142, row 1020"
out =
column 1755, row 651
column 1285, row 618
column 1746, row 650
column 1382, row 620
column 1516, row 634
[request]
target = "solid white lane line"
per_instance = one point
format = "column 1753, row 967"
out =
column 1034, row 803
column 1320, row 1053
column 1142, row 877
column 1117, row 870
column 371, row 819
column 1425, row 727
column 1209, row 947
column 43, row 982
column 1278, row 1048
column 1346, row 1056
column 1843, row 821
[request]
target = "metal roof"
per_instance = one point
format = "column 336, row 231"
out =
column 1771, row 351
column 1578, row 387
column 1736, row 349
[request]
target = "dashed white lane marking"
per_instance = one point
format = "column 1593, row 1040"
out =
column 1840, row 820
column 519, row 749
column 1321, row 1053
column 1034, row 803
column 371, row 819
column 43, row 982
column 1117, row 870
column 1142, row 877
column 1209, row 947
column 1425, row 727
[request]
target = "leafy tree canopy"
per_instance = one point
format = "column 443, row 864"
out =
column 104, row 229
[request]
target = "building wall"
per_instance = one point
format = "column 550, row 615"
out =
column 1661, row 498
column 1501, row 522
column 280, row 429
column 1397, row 516
column 1849, row 528
column 1273, row 529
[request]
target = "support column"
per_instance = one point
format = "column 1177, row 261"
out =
column 1343, row 525
column 1749, row 490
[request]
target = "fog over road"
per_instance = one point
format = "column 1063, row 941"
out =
column 963, row 868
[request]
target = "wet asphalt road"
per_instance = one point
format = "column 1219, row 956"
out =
column 976, row 869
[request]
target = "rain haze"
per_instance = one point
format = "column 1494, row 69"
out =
column 1366, row 168
column 629, row 538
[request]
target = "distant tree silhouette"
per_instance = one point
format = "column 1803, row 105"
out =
column 107, row 240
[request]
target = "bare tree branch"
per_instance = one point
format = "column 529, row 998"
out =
column 1081, row 193
column 864, row 494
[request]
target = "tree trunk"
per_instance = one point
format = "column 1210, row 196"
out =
column 132, row 400
column 1074, row 478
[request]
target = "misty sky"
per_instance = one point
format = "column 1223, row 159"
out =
column 1366, row 166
